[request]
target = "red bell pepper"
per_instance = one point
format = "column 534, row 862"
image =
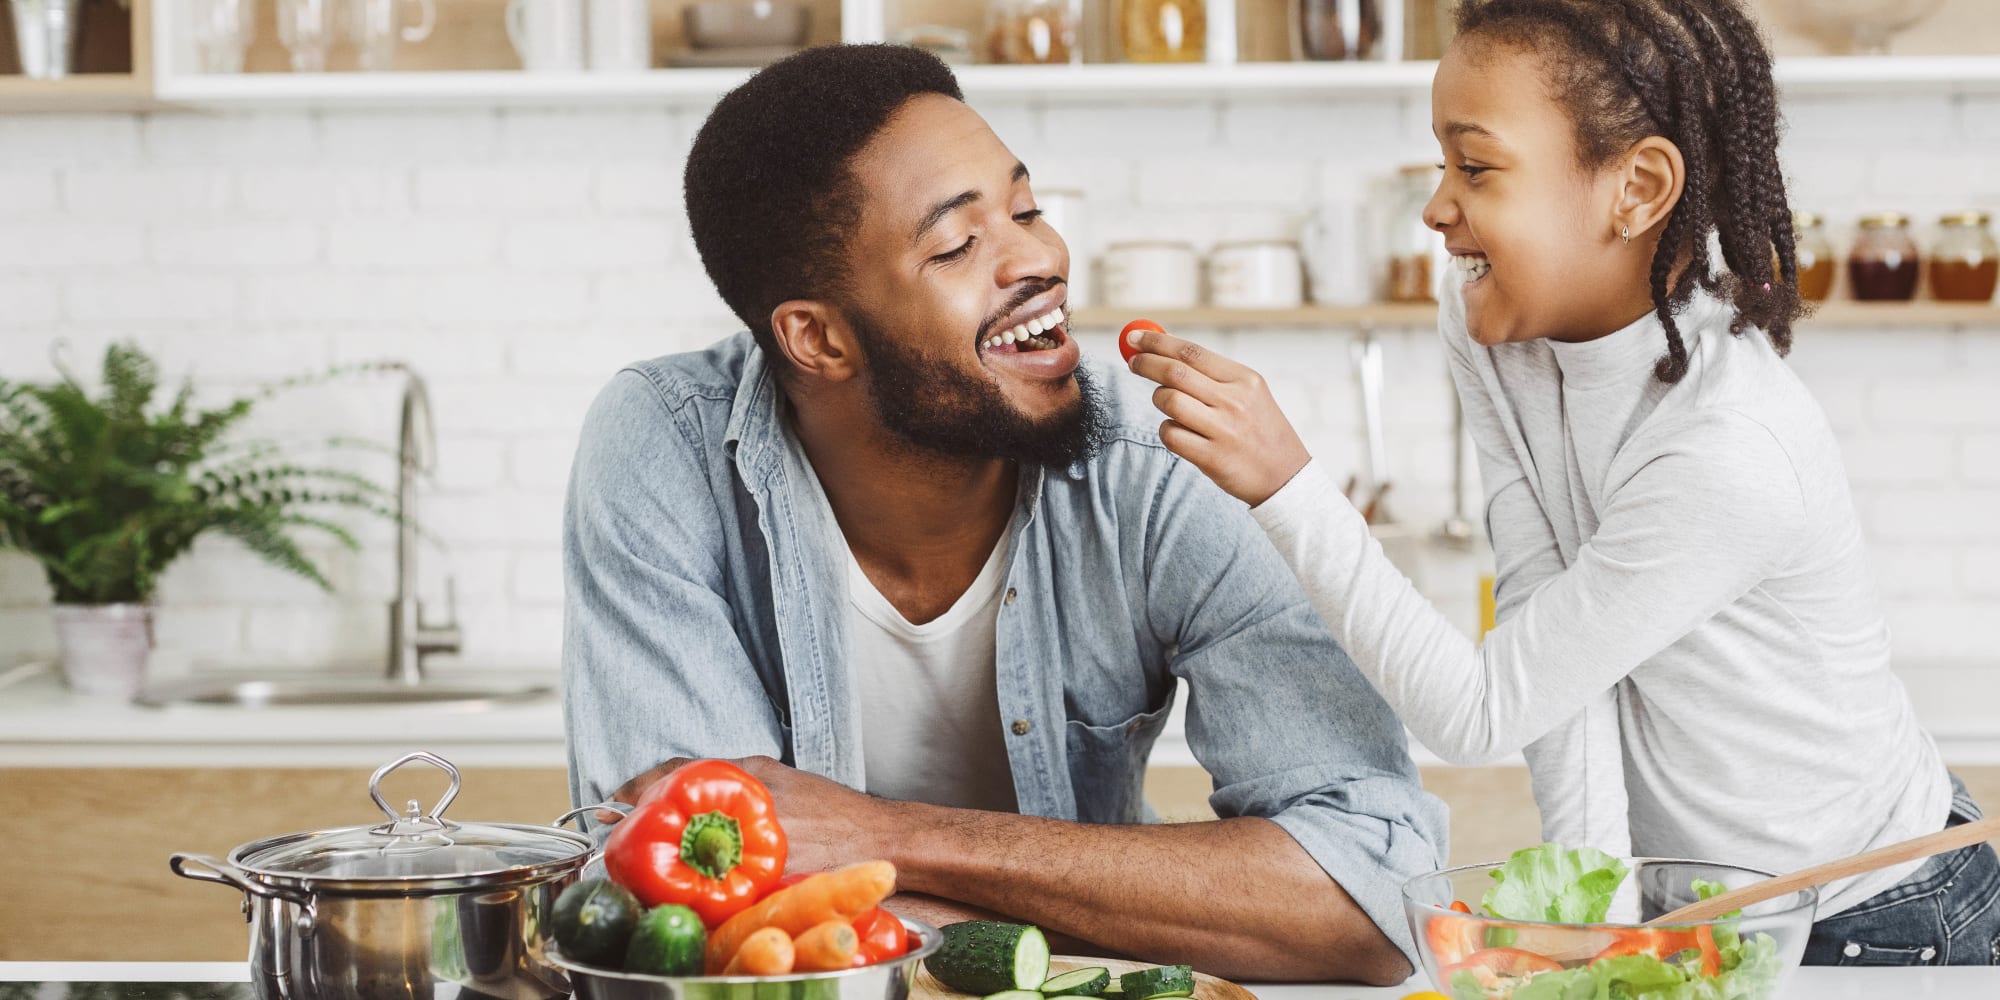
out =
column 706, row 837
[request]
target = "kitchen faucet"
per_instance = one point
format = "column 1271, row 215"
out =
column 410, row 639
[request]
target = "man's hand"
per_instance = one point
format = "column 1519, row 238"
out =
column 827, row 823
column 1220, row 416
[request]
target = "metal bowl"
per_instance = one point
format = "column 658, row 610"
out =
column 882, row 981
column 729, row 24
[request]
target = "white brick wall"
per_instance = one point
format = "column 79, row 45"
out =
column 517, row 258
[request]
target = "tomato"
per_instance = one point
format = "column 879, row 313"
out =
column 1665, row 943
column 1512, row 963
column 883, row 937
column 1125, row 348
column 1458, row 906
column 1453, row 939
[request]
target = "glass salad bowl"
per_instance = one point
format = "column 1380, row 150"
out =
column 1472, row 955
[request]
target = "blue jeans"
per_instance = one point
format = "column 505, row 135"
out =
column 1946, row 913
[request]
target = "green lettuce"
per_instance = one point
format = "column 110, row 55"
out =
column 1549, row 883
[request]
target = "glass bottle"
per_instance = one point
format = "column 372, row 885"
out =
column 1815, row 256
column 1336, row 29
column 1413, row 248
column 1884, row 263
column 1965, row 263
column 1163, row 31
column 1030, row 32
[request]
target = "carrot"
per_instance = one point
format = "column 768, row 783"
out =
column 836, row 895
column 769, row 952
column 827, row 948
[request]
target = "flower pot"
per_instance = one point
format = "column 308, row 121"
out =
column 45, row 36
column 105, row 646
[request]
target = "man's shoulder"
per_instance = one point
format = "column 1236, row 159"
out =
column 712, row 373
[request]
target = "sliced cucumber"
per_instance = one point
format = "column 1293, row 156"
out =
column 1091, row 982
column 985, row 957
column 1158, row 983
column 1014, row 995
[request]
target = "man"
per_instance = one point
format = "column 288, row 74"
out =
column 898, row 539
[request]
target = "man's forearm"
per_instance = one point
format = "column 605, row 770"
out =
column 1235, row 897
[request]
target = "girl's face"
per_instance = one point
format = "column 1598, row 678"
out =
column 1535, row 235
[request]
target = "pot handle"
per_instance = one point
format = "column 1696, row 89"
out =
column 435, row 817
column 620, row 808
column 224, row 873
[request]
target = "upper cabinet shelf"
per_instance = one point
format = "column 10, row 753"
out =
column 988, row 84
column 467, row 61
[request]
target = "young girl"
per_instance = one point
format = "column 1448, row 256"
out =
column 1689, row 650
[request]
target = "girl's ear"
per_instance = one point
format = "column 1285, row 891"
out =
column 1653, row 178
column 816, row 339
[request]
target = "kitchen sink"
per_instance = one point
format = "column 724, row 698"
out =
column 327, row 692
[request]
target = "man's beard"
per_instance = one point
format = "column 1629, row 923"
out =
column 940, row 409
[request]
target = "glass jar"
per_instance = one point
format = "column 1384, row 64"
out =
column 1414, row 249
column 1815, row 256
column 1965, row 263
column 1163, row 31
column 1031, row 32
column 1884, row 263
column 1336, row 29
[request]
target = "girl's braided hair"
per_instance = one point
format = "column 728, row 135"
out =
column 1697, row 73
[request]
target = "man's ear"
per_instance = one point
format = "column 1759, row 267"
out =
column 1652, row 182
column 816, row 339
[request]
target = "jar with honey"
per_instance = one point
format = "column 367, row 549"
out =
column 1031, row 32
column 1163, row 31
column 1965, row 264
column 1815, row 256
column 1884, row 263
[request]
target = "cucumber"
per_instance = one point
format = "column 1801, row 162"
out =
column 669, row 941
column 594, row 920
column 1154, row 984
column 1091, row 982
column 1014, row 995
column 984, row 957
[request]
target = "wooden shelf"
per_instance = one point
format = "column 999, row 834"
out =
column 1831, row 315
column 88, row 92
column 987, row 84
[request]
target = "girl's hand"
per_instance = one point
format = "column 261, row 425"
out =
column 1220, row 416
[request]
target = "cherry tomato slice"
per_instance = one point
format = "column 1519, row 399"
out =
column 1125, row 348
column 1453, row 939
column 1510, row 963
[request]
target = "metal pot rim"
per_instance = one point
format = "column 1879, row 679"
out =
column 397, row 885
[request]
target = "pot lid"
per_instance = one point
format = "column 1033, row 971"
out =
column 415, row 846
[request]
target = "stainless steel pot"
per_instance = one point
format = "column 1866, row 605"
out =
column 890, row 980
column 419, row 907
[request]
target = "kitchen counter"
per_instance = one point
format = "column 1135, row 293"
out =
column 43, row 724
column 1809, row 984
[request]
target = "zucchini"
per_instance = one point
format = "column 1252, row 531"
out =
column 984, row 957
column 1091, row 982
column 1155, row 984
column 669, row 941
column 594, row 920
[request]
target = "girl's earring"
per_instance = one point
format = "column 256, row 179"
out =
column 1625, row 232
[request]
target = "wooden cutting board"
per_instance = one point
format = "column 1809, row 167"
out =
column 1206, row 987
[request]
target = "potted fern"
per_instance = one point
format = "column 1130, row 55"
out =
column 105, row 491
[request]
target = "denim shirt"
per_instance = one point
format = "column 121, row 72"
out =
column 706, row 596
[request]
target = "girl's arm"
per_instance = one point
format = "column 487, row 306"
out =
column 1706, row 518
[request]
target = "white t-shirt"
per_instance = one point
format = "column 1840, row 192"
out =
column 930, row 704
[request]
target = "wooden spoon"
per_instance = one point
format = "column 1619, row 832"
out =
column 1884, row 857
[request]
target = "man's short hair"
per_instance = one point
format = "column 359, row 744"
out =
column 770, row 196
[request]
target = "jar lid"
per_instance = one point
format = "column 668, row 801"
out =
column 1805, row 220
column 1884, row 220
column 414, row 850
column 1966, row 219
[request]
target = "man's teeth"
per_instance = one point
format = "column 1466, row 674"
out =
column 1032, row 330
column 1474, row 268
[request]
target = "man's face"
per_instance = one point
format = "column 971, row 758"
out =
column 958, row 295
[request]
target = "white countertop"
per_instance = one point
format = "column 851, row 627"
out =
column 43, row 724
column 1960, row 983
